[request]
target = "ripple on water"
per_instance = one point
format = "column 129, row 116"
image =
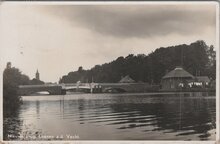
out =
column 132, row 116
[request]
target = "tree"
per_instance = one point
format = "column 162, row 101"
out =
column 12, row 78
column 211, row 65
column 80, row 69
column 211, row 55
column 35, row 81
column 194, row 58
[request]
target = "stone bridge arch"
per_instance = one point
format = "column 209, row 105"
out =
column 30, row 89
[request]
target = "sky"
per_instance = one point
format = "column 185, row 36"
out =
column 58, row 38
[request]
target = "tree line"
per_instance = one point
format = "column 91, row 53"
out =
column 197, row 58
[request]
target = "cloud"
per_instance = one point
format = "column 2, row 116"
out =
column 57, row 39
column 139, row 20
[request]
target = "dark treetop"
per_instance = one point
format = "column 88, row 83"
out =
column 196, row 58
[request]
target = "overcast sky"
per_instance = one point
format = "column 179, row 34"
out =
column 57, row 39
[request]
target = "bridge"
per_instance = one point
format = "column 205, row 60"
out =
column 58, row 89
column 78, row 87
column 125, row 87
column 107, row 87
column 31, row 89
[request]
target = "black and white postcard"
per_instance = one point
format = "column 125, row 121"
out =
column 109, row 71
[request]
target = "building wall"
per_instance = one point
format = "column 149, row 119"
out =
column 174, row 84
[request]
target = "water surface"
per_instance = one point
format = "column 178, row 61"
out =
column 183, row 116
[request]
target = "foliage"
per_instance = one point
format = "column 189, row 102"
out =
column 211, row 66
column 197, row 58
column 12, row 77
column 35, row 81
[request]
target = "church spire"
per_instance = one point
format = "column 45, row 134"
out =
column 37, row 76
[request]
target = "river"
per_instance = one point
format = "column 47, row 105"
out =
column 167, row 116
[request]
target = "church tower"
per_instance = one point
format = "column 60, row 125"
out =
column 37, row 76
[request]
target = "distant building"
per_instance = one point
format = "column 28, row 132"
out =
column 201, row 81
column 36, row 80
column 127, row 79
column 37, row 75
column 176, row 79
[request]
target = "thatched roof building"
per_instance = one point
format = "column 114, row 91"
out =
column 201, row 81
column 176, row 79
column 178, row 72
column 204, row 79
column 127, row 79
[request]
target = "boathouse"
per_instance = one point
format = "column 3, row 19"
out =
column 176, row 79
column 200, row 81
column 204, row 80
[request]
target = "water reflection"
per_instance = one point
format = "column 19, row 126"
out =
column 11, row 127
column 186, row 116
column 38, row 108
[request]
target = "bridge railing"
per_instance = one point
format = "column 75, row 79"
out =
column 44, row 85
column 81, row 84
